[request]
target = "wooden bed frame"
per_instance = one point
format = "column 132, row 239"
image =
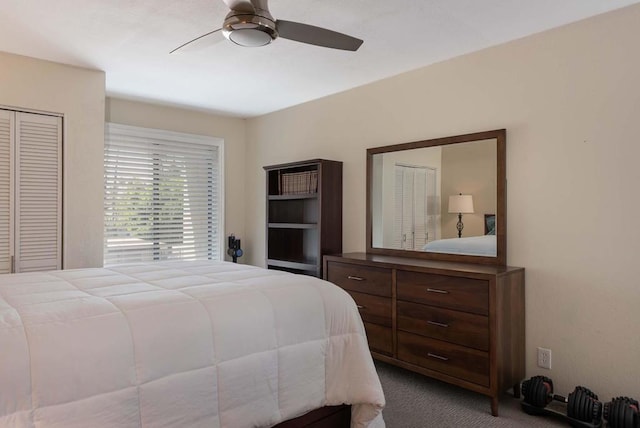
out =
column 324, row 417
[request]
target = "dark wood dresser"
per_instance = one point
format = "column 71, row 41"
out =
column 461, row 323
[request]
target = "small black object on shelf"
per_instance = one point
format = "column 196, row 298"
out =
column 234, row 249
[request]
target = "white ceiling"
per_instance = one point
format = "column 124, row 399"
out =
column 130, row 40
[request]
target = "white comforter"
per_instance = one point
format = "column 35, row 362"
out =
column 471, row 246
column 179, row 344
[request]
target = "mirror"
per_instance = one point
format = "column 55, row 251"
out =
column 440, row 199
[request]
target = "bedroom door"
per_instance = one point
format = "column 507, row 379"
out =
column 30, row 192
column 415, row 207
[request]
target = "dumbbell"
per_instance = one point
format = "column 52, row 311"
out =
column 622, row 412
column 582, row 403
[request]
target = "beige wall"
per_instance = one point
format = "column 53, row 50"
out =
column 200, row 123
column 569, row 99
column 469, row 168
column 78, row 94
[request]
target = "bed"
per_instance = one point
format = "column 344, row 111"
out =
column 485, row 245
column 180, row 344
column 471, row 246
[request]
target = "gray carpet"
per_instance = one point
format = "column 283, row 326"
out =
column 415, row 401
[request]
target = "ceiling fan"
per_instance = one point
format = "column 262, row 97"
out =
column 250, row 24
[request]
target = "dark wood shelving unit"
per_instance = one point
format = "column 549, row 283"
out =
column 304, row 215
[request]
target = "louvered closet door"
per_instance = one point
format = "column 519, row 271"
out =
column 419, row 208
column 6, row 186
column 408, row 233
column 398, row 199
column 38, row 192
column 433, row 208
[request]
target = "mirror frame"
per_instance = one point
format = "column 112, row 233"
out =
column 501, row 198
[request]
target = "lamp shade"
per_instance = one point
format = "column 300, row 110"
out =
column 462, row 204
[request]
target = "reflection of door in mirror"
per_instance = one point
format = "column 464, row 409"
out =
column 415, row 211
column 405, row 199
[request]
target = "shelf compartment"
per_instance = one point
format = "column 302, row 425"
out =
column 293, row 179
column 300, row 211
column 294, row 245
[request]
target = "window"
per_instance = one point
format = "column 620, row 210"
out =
column 163, row 195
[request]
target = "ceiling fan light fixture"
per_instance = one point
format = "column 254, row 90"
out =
column 249, row 37
column 249, row 30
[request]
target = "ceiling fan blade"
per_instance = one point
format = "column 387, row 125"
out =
column 316, row 36
column 195, row 40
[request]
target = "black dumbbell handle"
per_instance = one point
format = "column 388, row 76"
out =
column 560, row 398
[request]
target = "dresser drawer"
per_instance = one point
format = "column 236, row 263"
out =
column 465, row 294
column 373, row 309
column 380, row 338
column 364, row 279
column 444, row 324
column 453, row 360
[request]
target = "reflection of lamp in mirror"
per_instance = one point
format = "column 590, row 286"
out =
column 461, row 204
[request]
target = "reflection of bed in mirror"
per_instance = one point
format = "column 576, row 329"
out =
column 471, row 246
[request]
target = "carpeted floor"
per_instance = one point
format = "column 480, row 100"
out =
column 415, row 401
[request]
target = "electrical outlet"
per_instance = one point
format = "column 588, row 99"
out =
column 544, row 358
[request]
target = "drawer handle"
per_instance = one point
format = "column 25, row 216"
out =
column 435, row 290
column 361, row 307
column 439, row 324
column 355, row 278
column 438, row 357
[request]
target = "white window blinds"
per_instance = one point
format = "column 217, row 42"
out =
column 163, row 195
